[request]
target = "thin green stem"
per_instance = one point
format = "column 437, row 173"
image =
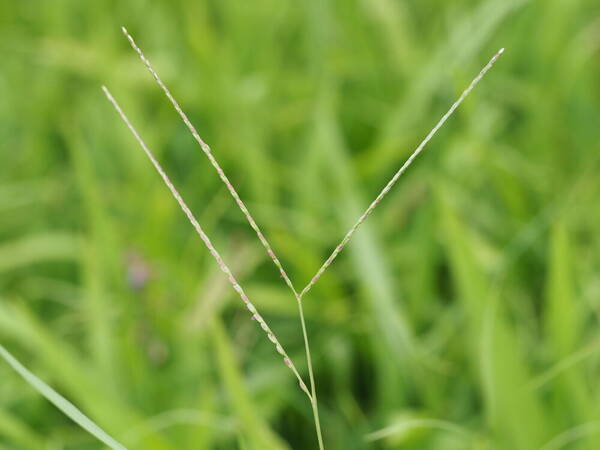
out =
column 313, row 391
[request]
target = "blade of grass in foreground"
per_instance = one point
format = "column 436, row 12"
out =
column 60, row 402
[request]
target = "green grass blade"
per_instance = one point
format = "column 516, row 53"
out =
column 84, row 384
column 60, row 402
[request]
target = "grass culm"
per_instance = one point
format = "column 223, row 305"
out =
column 298, row 296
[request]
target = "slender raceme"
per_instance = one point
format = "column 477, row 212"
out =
column 207, row 242
column 207, row 151
column 398, row 174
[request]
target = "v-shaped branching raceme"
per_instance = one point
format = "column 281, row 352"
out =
column 298, row 295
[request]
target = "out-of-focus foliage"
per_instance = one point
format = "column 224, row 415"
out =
column 464, row 315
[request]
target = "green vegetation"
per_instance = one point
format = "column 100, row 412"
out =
column 463, row 315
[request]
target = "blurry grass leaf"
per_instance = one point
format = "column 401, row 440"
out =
column 573, row 434
column 403, row 427
column 18, row 432
column 38, row 248
column 256, row 432
column 562, row 313
column 168, row 419
column 17, row 195
column 562, row 329
column 565, row 364
column 514, row 409
column 100, row 258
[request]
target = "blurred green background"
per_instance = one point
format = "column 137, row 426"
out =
column 464, row 315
